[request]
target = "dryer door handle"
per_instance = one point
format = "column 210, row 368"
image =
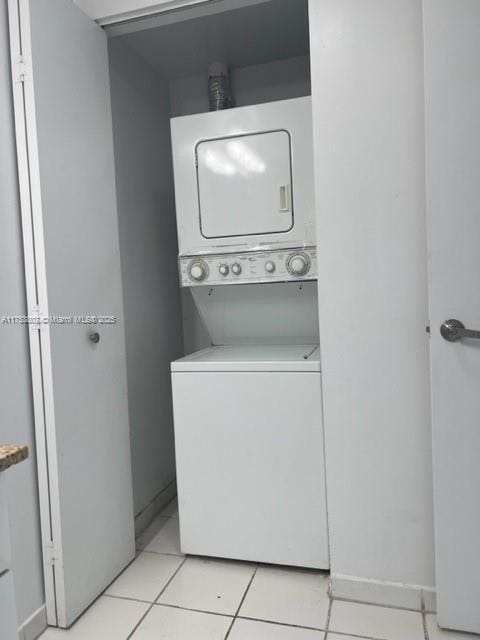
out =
column 284, row 198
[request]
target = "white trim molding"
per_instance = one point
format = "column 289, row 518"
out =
column 153, row 508
column 109, row 12
column 390, row 594
column 34, row 626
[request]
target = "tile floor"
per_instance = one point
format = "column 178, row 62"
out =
column 164, row 595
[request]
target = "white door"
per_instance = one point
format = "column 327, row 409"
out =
column 452, row 92
column 67, row 189
column 245, row 185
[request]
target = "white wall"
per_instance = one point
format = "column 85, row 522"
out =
column 16, row 424
column 148, row 250
column 195, row 333
column 279, row 313
column 255, row 84
column 367, row 86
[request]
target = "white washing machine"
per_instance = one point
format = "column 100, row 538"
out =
column 250, row 454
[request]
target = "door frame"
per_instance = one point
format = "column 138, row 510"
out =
column 37, row 300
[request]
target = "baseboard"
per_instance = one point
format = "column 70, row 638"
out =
column 390, row 594
column 153, row 508
column 34, row 626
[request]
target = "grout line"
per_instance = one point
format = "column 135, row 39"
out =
column 281, row 624
column 241, row 602
column 377, row 604
column 246, row 591
column 163, row 553
column 110, row 595
column 424, row 618
column 329, row 613
column 341, row 635
column 153, row 603
column 176, row 606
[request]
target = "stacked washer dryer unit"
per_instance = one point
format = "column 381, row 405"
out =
column 248, row 422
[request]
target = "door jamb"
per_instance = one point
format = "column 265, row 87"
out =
column 37, row 304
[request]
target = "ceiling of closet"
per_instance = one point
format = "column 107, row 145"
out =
column 264, row 32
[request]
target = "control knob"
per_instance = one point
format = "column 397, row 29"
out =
column 198, row 270
column 236, row 268
column 223, row 269
column 270, row 266
column 298, row 264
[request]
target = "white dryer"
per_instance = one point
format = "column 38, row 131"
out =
column 244, row 185
column 250, row 454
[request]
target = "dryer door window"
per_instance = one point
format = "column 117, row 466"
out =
column 245, row 185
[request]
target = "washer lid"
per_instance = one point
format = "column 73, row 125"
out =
column 251, row 358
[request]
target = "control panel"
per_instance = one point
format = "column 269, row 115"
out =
column 256, row 266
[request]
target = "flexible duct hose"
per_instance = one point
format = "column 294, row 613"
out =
column 219, row 87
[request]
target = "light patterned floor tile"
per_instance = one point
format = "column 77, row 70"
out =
column 209, row 585
column 145, row 577
column 290, row 596
column 435, row 633
column 168, row 623
column 253, row 630
column 376, row 622
column 106, row 619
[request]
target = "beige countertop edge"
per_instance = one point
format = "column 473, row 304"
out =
column 11, row 454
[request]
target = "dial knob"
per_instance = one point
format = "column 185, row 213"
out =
column 236, row 268
column 298, row 264
column 269, row 266
column 198, row 271
column 223, row 268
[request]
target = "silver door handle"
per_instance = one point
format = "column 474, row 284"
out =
column 453, row 330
